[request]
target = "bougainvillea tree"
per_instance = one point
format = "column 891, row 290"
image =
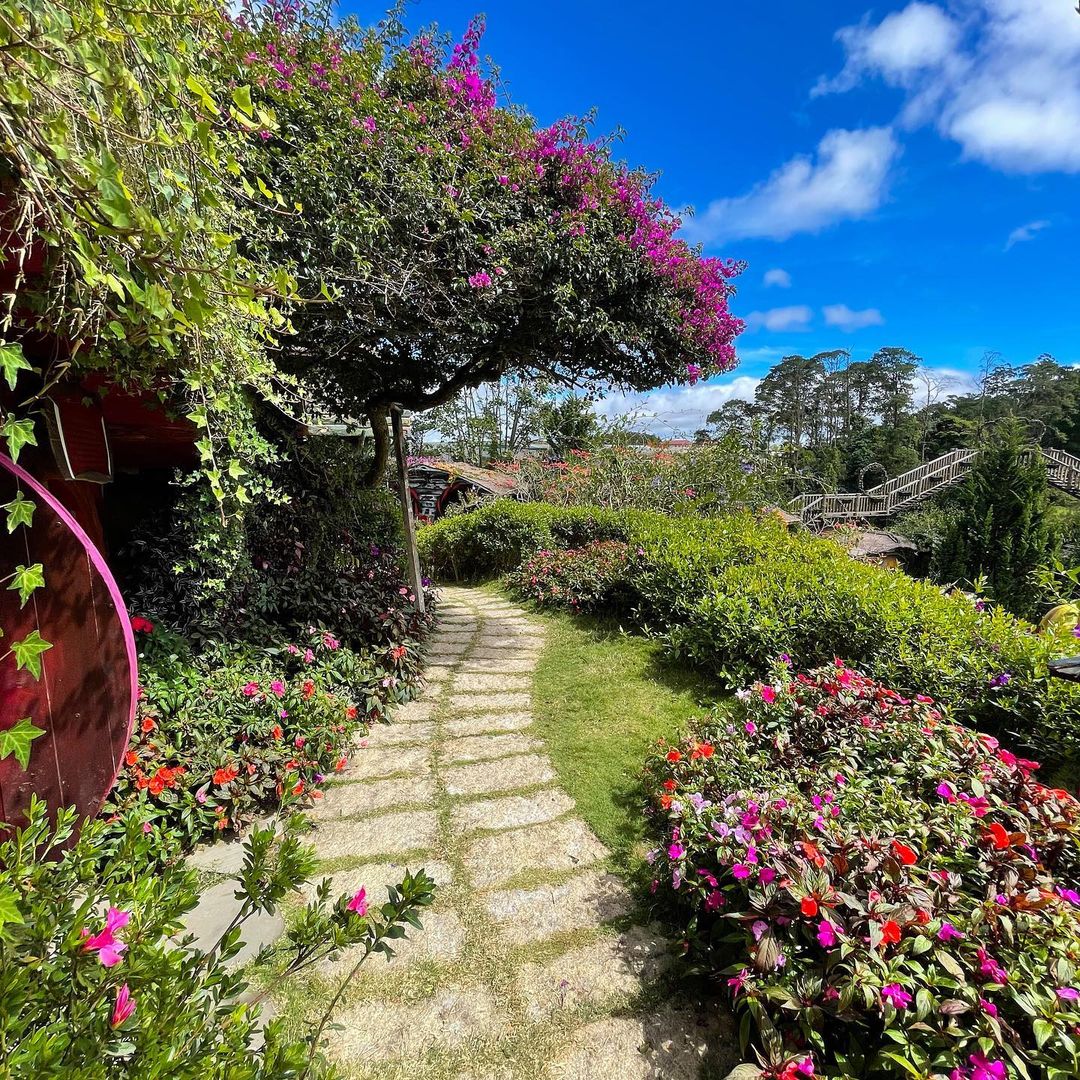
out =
column 456, row 240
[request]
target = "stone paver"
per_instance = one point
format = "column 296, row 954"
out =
column 400, row 734
column 537, row 913
column 213, row 915
column 372, row 764
column 474, row 703
column 484, row 747
column 377, row 1031
column 373, row 797
column 560, row 845
column 386, row 834
column 451, row 787
column 512, row 683
column 481, row 722
column 505, row 774
column 613, row 965
column 512, row 811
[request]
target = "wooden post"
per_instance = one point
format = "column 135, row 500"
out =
column 406, row 507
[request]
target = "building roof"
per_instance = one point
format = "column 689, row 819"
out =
column 491, row 481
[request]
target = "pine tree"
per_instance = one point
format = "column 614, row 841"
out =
column 1002, row 532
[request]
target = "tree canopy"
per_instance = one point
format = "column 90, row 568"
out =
column 454, row 241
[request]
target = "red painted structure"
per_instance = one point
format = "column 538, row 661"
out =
column 85, row 699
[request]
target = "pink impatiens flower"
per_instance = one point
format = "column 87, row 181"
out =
column 277, row 688
column 990, row 969
column 250, row 689
column 948, row 932
column 358, row 903
column 1068, row 993
column 768, row 695
column 105, row 943
column 896, row 995
column 826, row 934
column 124, row 1007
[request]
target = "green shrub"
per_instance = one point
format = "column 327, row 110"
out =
column 499, row 536
column 97, row 982
column 884, row 892
column 729, row 594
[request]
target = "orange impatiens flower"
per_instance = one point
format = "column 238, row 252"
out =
column 131, row 758
column 148, row 724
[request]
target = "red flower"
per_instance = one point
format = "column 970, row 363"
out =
column 141, row 625
column 299, row 789
column 131, row 758
column 350, row 713
column 904, row 853
column 148, row 724
column 308, row 688
column 226, row 774
column 665, row 801
column 276, row 731
column 809, row 907
column 674, row 755
column 890, row 932
column 706, row 749
column 156, row 785
column 998, row 836
column 669, row 785
column 398, row 652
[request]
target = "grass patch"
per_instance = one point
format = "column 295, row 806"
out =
column 602, row 698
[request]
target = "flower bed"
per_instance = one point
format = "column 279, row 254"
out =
column 591, row 578
column 225, row 731
column 883, row 891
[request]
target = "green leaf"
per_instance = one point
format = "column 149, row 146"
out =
column 1043, row 1029
column 241, row 96
column 26, row 579
column 17, row 739
column 20, row 511
column 9, row 907
column 28, row 652
column 901, row 1061
column 12, row 362
column 19, row 433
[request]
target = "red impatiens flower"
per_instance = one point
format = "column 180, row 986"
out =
column 904, row 853
column 809, row 907
column 276, row 731
column 669, row 785
column 226, row 774
column 674, row 755
column 141, row 625
column 398, row 652
column 309, row 689
column 890, row 932
column 997, row 836
column 148, row 724
column 131, row 758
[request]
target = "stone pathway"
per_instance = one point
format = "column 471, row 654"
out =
column 531, row 964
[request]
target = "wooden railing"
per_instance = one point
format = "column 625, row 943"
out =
column 912, row 487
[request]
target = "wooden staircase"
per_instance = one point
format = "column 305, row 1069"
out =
column 913, row 487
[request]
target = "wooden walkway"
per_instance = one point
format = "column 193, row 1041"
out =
column 913, row 487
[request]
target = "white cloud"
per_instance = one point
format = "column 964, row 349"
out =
column 840, row 315
column 796, row 317
column 849, row 179
column 1025, row 232
column 780, row 278
column 1004, row 83
column 680, row 410
column 903, row 45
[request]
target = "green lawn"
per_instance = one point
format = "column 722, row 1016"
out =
column 602, row 699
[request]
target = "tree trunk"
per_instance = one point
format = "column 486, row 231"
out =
column 381, row 437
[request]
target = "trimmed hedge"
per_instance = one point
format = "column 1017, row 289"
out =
column 731, row 594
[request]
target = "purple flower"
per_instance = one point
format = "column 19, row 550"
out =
column 693, row 373
column 1001, row 680
column 740, row 871
column 759, row 928
column 896, row 996
column 948, row 932
column 945, row 790
column 480, row 280
column 990, row 969
column 826, row 934
column 1068, row 993
column 676, row 851
column 1069, row 894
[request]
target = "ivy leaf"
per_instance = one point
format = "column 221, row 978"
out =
column 26, row 579
column 9, row 907
column 12, row 362
column 28, row 652
column 19, row 433
column 20, row 511
column 17, row 739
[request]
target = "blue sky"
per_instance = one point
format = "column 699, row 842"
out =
column 910, row 172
